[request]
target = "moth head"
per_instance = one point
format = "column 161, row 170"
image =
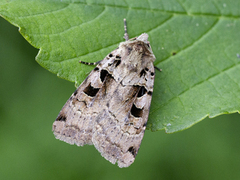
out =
column 144, row 38
column 140, row 44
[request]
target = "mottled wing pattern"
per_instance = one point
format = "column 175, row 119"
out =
column 110, row 108
column 75, row 121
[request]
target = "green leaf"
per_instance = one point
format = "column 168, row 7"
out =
column 195, row 42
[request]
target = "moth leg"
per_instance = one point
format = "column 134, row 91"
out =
column 90, row 64
column 155, row 67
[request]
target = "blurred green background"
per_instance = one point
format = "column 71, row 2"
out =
column 31, row 98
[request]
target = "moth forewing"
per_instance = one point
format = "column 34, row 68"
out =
column 110, row 108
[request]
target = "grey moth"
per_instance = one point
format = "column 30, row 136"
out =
column 110, row 108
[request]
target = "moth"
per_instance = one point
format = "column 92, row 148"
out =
column 110, row 108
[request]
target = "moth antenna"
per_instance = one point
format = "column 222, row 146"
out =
column 126, row 37
column 90, row 64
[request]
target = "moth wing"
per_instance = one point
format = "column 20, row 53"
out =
column 120, row 125
column 110, row 108
column 74, row 123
